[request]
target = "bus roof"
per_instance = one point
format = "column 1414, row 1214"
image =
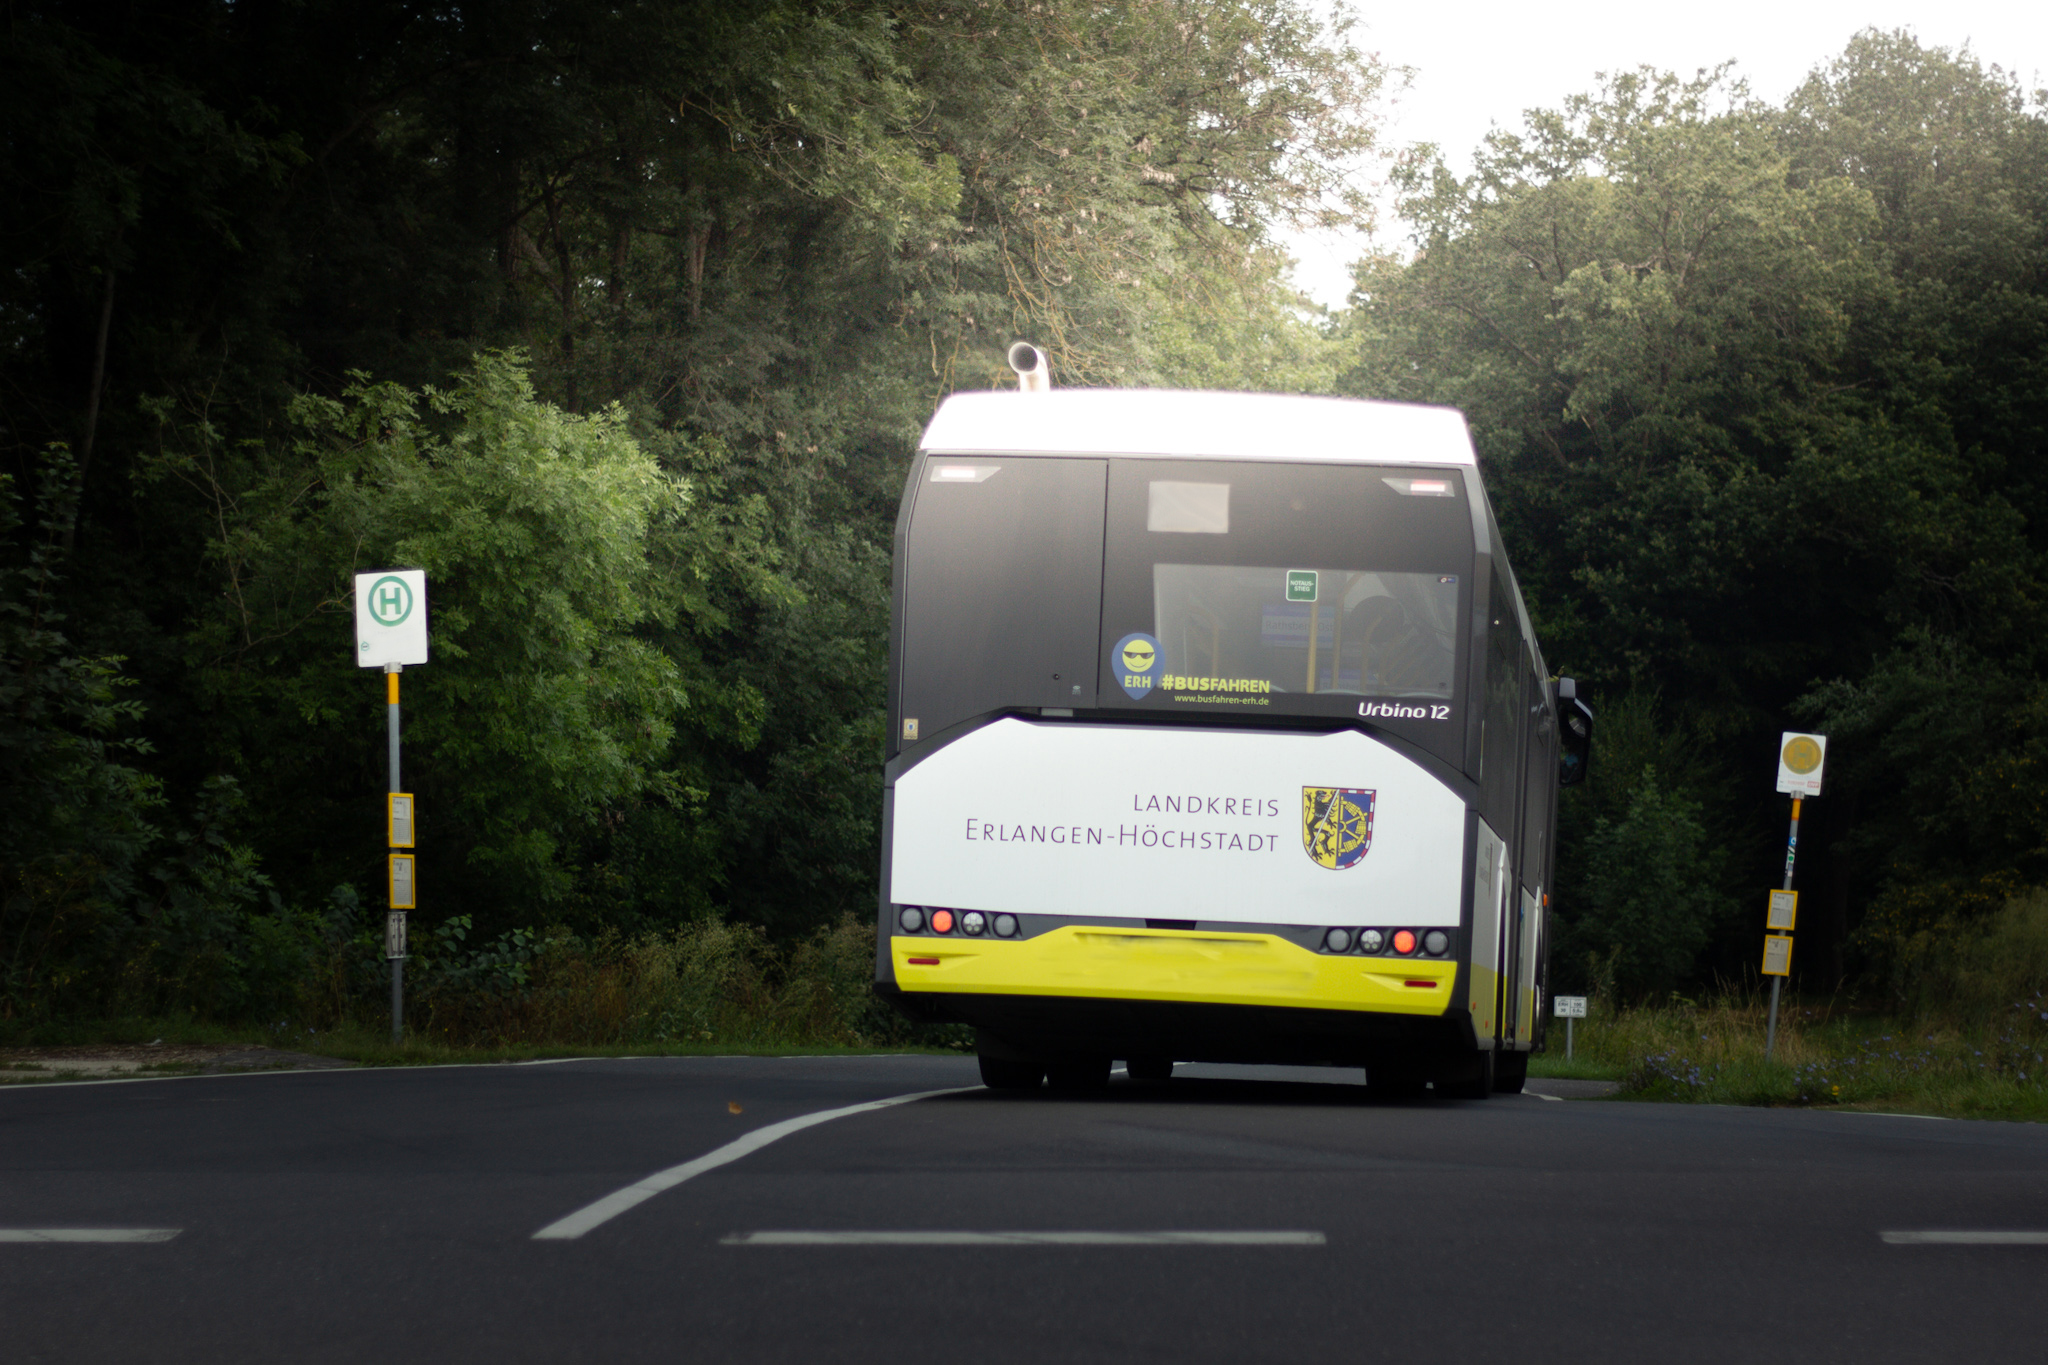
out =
column 1197, row 424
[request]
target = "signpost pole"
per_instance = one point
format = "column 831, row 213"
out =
column 391, row 672
column 1568, row 1022
column 1791, row 856
column 391, row 632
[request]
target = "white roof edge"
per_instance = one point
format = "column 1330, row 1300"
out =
column 1198, row 424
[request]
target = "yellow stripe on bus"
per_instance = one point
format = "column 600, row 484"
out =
column 1166, row 964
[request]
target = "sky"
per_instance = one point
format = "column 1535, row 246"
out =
column 1481, row 63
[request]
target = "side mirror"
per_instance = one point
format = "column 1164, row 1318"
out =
column 1575, row 735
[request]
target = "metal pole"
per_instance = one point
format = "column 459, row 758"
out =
column 391, row 672
column 1791, row 856
column 1569, row 1021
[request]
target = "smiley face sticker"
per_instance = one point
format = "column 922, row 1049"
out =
column 1135, row 661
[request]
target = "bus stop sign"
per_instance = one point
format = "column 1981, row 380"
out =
column 1800, row 760
column 391, row 617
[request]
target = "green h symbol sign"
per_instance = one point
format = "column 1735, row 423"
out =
column 390, row 601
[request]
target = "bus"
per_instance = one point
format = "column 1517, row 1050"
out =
column 1217, row 732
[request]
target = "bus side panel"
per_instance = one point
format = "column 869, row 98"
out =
column 1489, row 878
column 1526, row 1001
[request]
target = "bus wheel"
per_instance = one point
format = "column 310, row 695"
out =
column 1007, row 1073
column 1470, row 1077
column 1149, row 1068
column 1078, row 1073
column 1393, row 1081
column 1510, row 1073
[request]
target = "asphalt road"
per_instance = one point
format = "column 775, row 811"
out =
column 389, row 1215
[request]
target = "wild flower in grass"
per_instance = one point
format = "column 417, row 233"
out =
column 1670, row 1072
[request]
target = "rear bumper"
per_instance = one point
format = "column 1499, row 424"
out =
column 1171, row 966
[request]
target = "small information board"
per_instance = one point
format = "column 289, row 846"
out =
column 394, row 935
column 391, row 617
column 1568, row 1006
column 1800, row 760
column 401, row 881
column 1784, row 911
column 398, row 819
column 1777, row 955
column 1302, row 585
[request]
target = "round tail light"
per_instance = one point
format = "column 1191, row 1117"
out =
column 911, row 919
column 942, row 921
column 1337, row 940
column 1435, row 941
column 1404, row 941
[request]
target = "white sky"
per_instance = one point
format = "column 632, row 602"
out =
column 1483, row 62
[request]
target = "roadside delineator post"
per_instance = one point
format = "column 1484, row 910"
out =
column 1800, row 760
column 391, row 632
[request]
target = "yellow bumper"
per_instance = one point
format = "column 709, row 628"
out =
column 1170, row 964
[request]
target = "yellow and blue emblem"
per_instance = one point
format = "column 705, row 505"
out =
column 1336, row 825
column 1135, row 659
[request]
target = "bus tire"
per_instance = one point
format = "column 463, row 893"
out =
column 1395, row 1081
column 1149, row 1068
column 1008, row 1073
column 1510, row 1073
column 1074, row 1074
column 1470, row 1077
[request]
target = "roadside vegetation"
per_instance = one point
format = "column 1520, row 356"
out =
column 706, row 987
column 621, row 322
column 1971, row 1043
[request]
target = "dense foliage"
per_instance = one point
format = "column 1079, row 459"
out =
column 621, row 319
column 1761, row 394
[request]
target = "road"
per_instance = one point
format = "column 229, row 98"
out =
column 389, row 1215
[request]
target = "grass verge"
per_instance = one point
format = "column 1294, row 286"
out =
column 1826, row 1056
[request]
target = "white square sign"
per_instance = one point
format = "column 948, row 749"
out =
column 1568, row 1006
column 1800, row 759
column 391, row 617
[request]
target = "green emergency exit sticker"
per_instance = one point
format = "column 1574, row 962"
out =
column 1301, row 585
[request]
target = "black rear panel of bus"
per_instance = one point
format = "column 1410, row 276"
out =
column 1002, row 588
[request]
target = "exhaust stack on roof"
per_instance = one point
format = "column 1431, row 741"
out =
column 1034, row 371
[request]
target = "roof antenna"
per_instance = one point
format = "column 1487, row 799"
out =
column 1034, row 371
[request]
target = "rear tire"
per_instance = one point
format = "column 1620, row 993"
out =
column 1510, row 1072
column 1149, row 1068
column 1471, row 1077
column 1076, row 1074
column 1007, row 1073
column 1395, row 1081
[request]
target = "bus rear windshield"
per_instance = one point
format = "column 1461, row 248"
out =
column 1275, row 588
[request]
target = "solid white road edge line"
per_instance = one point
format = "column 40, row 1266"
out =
column 617, row 1202
column 1541, row 1096
column 1991, row 1238
column 976, row 1239
column 88, row 1234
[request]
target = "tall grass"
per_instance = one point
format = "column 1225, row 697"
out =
column 708, row 982
column 1974, row 1043
column 707, row 985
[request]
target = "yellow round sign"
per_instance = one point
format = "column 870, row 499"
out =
column 1802, row 755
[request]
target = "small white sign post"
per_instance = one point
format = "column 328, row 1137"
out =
column 391, row 632
column 1801, row 759
column 1568, row 1008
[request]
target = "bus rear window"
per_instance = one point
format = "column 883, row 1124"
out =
column 1325, row 629
column 1271, row 588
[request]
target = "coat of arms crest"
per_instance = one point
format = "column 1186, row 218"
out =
column 1336, row 825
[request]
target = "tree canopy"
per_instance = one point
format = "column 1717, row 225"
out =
column 621, row 319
